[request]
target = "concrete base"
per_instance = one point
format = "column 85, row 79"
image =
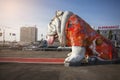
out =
column 72, row 64
column 92, row 61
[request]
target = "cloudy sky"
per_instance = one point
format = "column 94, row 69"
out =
column 17, row 13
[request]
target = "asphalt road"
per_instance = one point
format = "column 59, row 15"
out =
column 36, row 71
column 28, row 71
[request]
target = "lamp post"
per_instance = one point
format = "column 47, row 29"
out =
column 0, row 32
column 3, row 37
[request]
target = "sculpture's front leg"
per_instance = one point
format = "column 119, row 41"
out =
column 78, row 53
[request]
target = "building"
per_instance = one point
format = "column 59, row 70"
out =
column 115, row 32
column 28, row 34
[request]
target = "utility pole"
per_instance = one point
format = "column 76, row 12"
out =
column 3, row 34
column 3, row 37
column 3, row 30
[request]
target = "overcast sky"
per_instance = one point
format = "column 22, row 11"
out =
column 17, row 13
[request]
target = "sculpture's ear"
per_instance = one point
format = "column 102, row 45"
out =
column 59, row 13
column 51, row 29
column 58, row 25
column 64, row 20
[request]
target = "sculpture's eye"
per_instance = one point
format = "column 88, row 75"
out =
column 99, row 41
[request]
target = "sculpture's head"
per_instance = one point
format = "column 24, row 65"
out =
column 54, row 27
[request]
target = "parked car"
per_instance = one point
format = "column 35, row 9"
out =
column 36, row 45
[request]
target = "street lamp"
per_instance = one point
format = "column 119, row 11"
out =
column 2, row 33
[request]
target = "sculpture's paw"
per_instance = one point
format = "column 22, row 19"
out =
column 73, row 59
column 69, row 54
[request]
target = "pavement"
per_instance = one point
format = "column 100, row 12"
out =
column 33, row 54
column 23, row 71
column 39, row 71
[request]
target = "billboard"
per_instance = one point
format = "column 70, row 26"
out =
column 108, row 27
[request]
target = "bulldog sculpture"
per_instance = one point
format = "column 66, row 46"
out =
column 71, row 30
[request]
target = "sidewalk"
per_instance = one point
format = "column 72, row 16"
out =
column 44, row 57
column 22, row 71
column 33, row 54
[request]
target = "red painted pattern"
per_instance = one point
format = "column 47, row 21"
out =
column 33, row 60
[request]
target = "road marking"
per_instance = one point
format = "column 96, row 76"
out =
column 33, row 60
